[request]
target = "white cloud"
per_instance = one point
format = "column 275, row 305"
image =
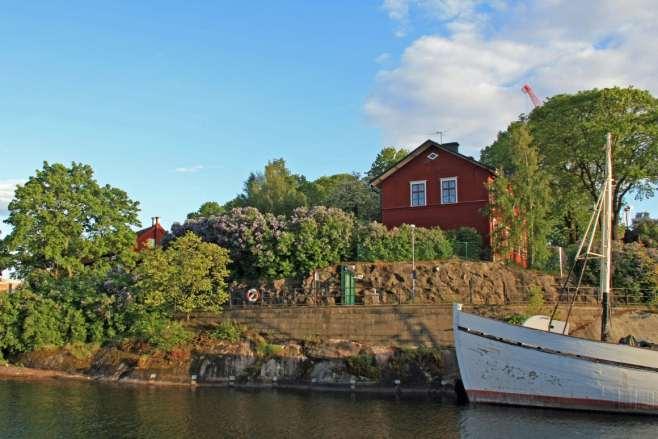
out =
column 190, row 169
column 7, row 188
column 383, row 58
column 468, row 81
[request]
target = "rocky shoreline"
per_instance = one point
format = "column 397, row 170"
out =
column 327, row 366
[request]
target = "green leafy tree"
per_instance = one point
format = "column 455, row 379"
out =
column 189, row 275
column 30, row 321
column 275, row 191
column 355, row 196
column 645, row 230
column 64, row 223
column 319, row 191
column 569, row 131
column 386, row 158
column 207, row 209
column 521, row 200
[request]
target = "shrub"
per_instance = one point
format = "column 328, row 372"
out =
column 363, row 365
column 535, row 300
column 159, row 331
column 265, row 349
column 227, row 330
column 189, row 275
column 516, row 319
column 322, row 236
column 259, row 244
column 99, row 301
column 29, row 321
column 416, row 366
column 466, row 242
column 376, row 243
column 10, row 324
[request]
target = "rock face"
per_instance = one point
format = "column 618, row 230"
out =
column 337, row 364
column 472, row 282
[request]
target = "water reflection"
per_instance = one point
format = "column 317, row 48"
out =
column 84, row 410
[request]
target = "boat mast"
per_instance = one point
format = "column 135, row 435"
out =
column 606, row 243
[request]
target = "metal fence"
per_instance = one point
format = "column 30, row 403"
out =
column 329, row 294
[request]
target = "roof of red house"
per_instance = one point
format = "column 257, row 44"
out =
column 150, row 228
column 447, row 147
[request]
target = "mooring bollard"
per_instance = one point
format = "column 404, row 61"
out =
column 193, row 379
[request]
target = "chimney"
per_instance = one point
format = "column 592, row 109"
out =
column 452, row 147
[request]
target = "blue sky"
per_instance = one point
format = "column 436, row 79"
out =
column 177, row 102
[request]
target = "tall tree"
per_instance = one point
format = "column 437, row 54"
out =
column 347, row 192
column 207, row 209
column 644, row 230
column 521, row 200
column 276, row 190
column 386, row 158
column 355, row 196
column 319, row 191
column 569, row 131
column 64, row 223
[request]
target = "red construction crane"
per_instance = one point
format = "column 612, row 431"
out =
column 531, row 94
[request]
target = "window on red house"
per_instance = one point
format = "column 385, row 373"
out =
column 449, row 190
column 417, row 193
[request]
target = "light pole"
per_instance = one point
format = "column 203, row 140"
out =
column 627, row 211
column 413, row 261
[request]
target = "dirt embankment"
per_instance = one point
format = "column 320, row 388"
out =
column 474, row 282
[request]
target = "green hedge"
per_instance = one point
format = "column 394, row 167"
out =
column 377, row 243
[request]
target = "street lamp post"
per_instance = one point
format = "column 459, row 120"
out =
column 413, row 261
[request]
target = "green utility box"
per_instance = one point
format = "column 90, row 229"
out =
column 347, row 285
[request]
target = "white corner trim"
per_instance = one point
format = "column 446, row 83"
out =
column 411, row 185
column 456, row 189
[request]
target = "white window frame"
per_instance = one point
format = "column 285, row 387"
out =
column 456, row 189
column 411, row 192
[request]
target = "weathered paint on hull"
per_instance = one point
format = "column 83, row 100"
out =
column 507, row 364
column 489, row 397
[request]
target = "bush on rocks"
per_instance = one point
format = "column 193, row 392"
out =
column 376, row 243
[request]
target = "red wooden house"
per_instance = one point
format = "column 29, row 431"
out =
column 150, row 237
column 435, row 185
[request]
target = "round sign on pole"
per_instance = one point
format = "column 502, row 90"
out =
column 252, row 295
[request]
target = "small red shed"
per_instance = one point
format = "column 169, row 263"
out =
column 435, row 185
column 150, row 237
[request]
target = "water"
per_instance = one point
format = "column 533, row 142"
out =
column 54, row 409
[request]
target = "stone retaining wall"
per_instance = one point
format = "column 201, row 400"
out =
column 387, row 325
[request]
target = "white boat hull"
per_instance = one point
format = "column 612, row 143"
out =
column 509, row 364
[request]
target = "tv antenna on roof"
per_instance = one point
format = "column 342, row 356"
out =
column 440, row 133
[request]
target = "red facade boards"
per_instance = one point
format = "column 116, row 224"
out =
column 150, row 237
column 436, row 186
